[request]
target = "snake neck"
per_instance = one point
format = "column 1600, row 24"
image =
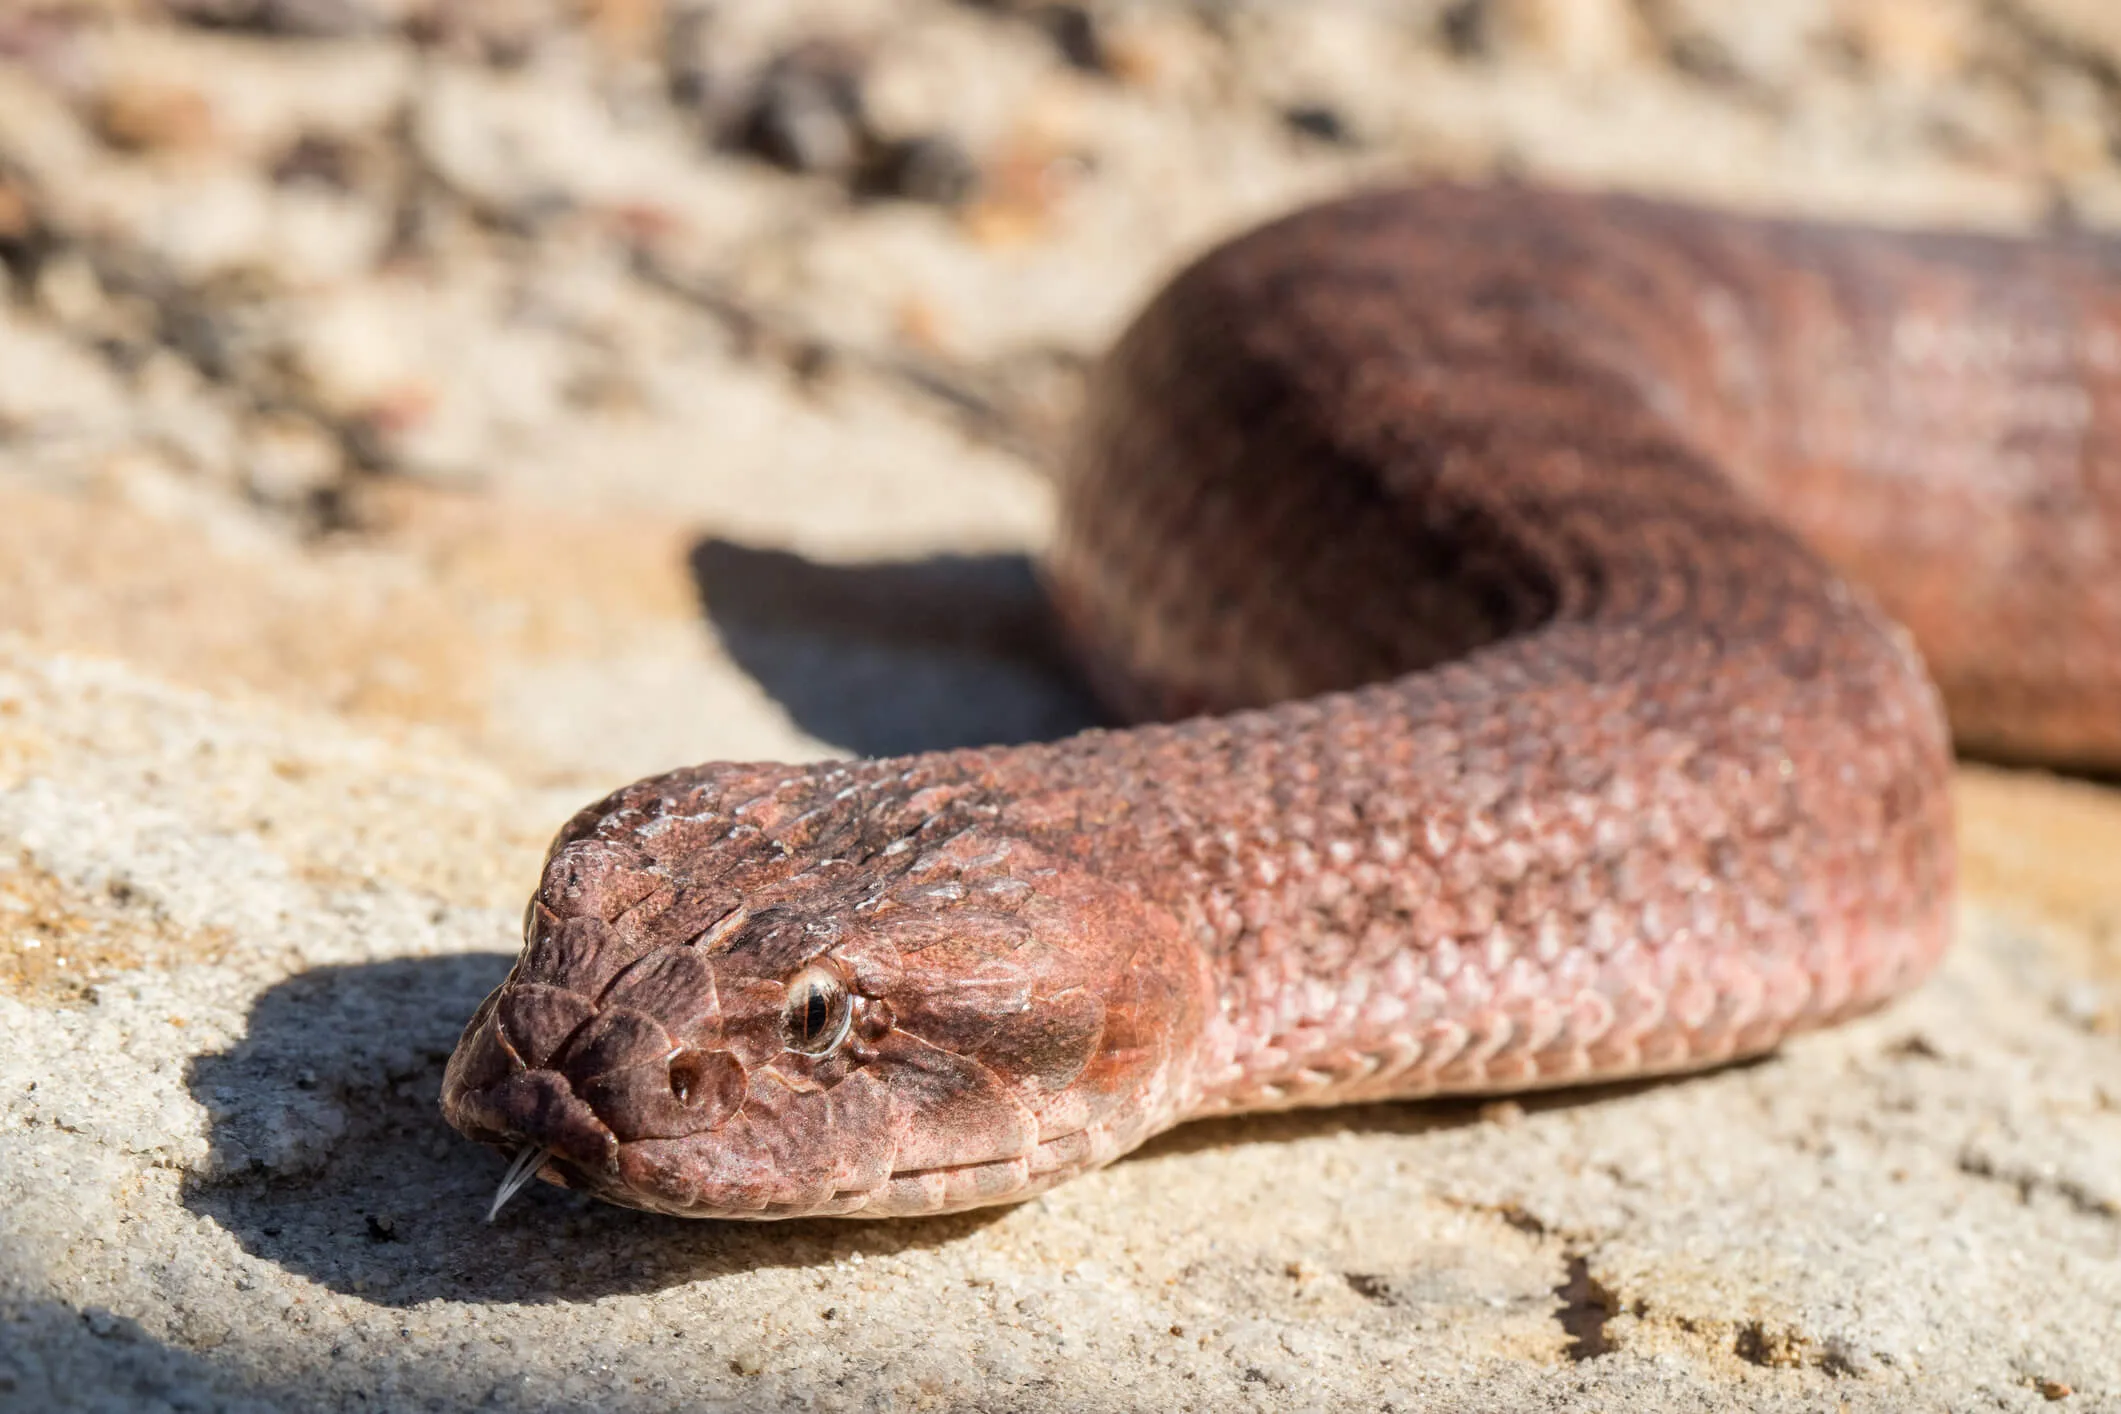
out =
column 1409, row 890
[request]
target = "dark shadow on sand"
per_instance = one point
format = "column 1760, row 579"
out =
column 331, row 1160
column 1401, row 1117
column 891, row 657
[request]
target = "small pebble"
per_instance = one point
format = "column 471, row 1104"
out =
column 806, row 112
column 687, row 50
column 18, row 217
column 1319, row 120
column 1074, row 31
column 317, row 159
column 138, row 116
column 1502, row 1112
column 931, row 169
column 1467, row 29
column 2085, row 1004
column 288, row 459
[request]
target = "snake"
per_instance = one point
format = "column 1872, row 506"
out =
column 1544, row 620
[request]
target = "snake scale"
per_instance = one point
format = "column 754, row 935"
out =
column 1475, row 556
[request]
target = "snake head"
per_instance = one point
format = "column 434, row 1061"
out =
column 741, row 1011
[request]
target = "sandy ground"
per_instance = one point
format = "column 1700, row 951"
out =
column 417, row 417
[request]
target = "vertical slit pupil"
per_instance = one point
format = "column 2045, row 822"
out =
column 814, row 1013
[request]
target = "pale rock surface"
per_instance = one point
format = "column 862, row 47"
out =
column 415, row 419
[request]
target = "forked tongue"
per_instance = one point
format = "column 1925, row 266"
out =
column 519, row 1174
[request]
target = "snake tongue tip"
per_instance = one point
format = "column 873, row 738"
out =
column 520, row 1172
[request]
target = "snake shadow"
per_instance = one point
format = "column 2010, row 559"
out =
column 328, row 1157
column 890, row 657
column 1409, row 1117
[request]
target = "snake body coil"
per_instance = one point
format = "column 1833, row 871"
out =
column 1481, row 551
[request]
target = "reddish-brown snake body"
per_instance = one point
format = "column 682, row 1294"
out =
column 1585, row 764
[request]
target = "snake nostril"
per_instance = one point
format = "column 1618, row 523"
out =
column 690, row 1091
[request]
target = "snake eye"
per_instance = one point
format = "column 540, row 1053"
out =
column 817, row 1013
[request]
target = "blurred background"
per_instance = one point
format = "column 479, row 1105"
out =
column 615, row 383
